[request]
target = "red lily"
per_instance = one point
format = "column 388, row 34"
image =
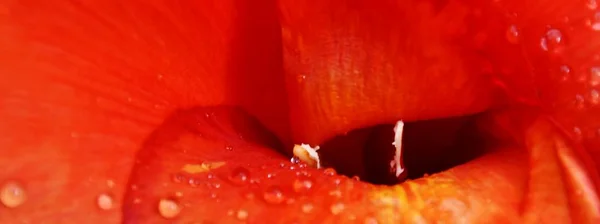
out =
column 160, row 111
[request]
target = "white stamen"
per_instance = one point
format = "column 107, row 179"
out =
column 307, row 154
column 395, row 164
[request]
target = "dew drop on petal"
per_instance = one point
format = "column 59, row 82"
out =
column 12, row 195
column 337, row 208
column 577, row 132
column 329, row 171
column 273, row 195
column 303, row 184
column 337, row 181
column 179, row 194
column 178, row 178
column 592, row 4
column 595, row 97
column 512, row 34
column 307, row 208
column 239, row 175
column 565, row 72
column 579, row 101
column 210, row 176
column 193, row 182
column 241, row 215
column 295, row 160
column 110, row 183
column 105, row 202
column 370, row 220
column 302, row 173
column 168, row 208
column 551, row 40
column 594, row 23
column 595, row 76
column 336, row 193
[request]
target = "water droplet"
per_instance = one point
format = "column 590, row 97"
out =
column 270, row 175
column 307, row 208
column 565, row 72
column 239, row 175
column 371, row 220
column 178, row 194
column 273, row 195
column 210, row 176
column 242, row 215
column 356, row 178
column 595, row 97
column 329, row 172
column 337, row 208
column 229, row 148
column 178, row 178
column 168, row 208
column 12, row 195
column 595, row 76
column 552, row 40
column 303, row 184
column 579, row 101
column 592, row 4
column 137, row 200
column 302, row 173
column 292, row 167
column 194, row 182
column 337, row 181
column 594, row 22
column 105, row 202
column 512, row 34
column 301, row 78
column 577, row 132
column 110, row 183
column 295, row 160
column 336, row 193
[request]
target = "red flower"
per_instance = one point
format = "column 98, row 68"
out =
column 159, row 111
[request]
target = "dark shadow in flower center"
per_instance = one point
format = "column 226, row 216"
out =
column 429, row 147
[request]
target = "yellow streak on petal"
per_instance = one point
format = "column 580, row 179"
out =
column 201, row 168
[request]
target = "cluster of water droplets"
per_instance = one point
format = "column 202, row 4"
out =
column 554, row 42
column 264, row 188
column 13, row 195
